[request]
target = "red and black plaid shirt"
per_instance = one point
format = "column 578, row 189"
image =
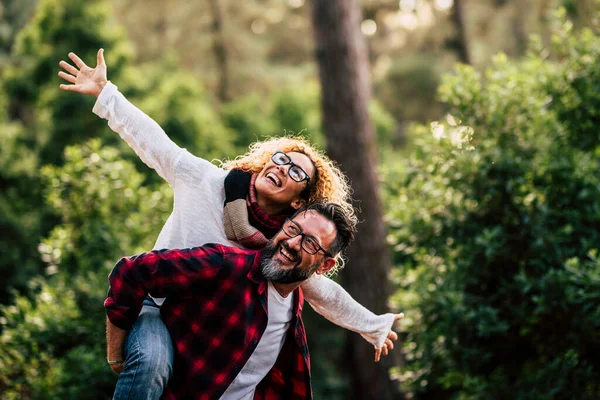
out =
column 216, row 313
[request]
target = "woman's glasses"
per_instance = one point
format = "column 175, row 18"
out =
column 295, row 172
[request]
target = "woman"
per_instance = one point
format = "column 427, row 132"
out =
column 259, row 190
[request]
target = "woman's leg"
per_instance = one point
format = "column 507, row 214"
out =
column 148, row 357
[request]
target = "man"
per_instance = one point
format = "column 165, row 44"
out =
column 235, row 315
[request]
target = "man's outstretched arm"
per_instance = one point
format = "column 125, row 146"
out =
column 159, row 273
column 115, row 340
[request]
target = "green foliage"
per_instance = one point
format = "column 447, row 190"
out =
column 292, row 109
column 20, row 225
column 383, row 122
column 18, row 175
column 409, row 89
column 249, row 118
column 38, row 120
column 52, row 345
column 494, row 221
column 179, row 104
column 13, row 16
column 52, row 119
column 298, row 110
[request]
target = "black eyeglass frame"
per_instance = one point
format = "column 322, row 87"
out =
column 304, row 236
column 292, row 165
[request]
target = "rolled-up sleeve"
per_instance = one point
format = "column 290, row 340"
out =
column 158, row 273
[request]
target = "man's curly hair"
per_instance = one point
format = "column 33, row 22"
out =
column 331, row 184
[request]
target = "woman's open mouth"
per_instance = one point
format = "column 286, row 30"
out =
column 274, row 179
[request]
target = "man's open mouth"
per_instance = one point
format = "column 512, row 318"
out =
column 287, row 254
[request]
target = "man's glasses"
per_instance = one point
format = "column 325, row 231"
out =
column 309, row 244
column 295, row 172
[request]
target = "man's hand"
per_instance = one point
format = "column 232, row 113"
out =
column 85, row 79
column 117, row 368
column 389, row 342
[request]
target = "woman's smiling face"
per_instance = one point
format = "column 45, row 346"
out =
column 274, row 185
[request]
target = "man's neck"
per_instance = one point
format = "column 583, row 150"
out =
column 284, row 289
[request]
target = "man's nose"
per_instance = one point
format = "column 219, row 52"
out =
column 295, row 242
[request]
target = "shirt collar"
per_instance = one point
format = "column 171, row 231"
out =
column 255, row 275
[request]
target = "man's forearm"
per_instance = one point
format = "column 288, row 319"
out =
column 115, row 339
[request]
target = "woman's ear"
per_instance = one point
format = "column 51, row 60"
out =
column 298, row 203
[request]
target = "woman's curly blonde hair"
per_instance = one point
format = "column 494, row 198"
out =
column 331, row 185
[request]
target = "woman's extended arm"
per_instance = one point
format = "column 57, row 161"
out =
column 142, row 133
column 331, row 301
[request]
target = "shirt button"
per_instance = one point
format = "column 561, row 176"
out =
column 255, row 342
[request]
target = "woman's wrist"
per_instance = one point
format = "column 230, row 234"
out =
column 101, row 85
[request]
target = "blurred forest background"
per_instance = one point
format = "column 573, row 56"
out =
column 486, row 114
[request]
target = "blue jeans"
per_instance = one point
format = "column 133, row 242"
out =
column 148, row 357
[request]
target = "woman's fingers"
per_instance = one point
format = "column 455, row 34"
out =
column 100, row 58
column 377, row 354
column 71, row 88
column 69, row 68
column 80, row 64
column 398, row 317
column 67, row 77
column 389, row 345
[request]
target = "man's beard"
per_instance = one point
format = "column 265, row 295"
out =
column 272, row 271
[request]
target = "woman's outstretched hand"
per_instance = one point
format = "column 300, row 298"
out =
column 389, row 341
column 84, row 79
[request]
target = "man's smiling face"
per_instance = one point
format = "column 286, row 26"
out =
column 284, row 260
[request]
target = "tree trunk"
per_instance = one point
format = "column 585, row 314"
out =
column 343, row 68
column 519, row 25
column 162, row 27
column 220, row 52
column 586, row 11
column 460, row 42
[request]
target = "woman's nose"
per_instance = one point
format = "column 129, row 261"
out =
column 283, row 169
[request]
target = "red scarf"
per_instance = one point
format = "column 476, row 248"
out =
column 244, row 221
column 258, row 218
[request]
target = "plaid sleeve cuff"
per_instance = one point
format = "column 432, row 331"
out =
column 121, row 316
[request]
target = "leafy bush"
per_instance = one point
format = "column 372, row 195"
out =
column 408, row 91
column 291, row 110
column 179, row 103
column 52, row 345
column 38, row 120
column 494, row 221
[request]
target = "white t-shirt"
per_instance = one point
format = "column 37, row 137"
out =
column 197, row 216
column 265, row 355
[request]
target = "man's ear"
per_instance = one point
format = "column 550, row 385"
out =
column 298, row 203
column 326, row 266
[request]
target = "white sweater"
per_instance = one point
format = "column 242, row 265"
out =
column 197, row 216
